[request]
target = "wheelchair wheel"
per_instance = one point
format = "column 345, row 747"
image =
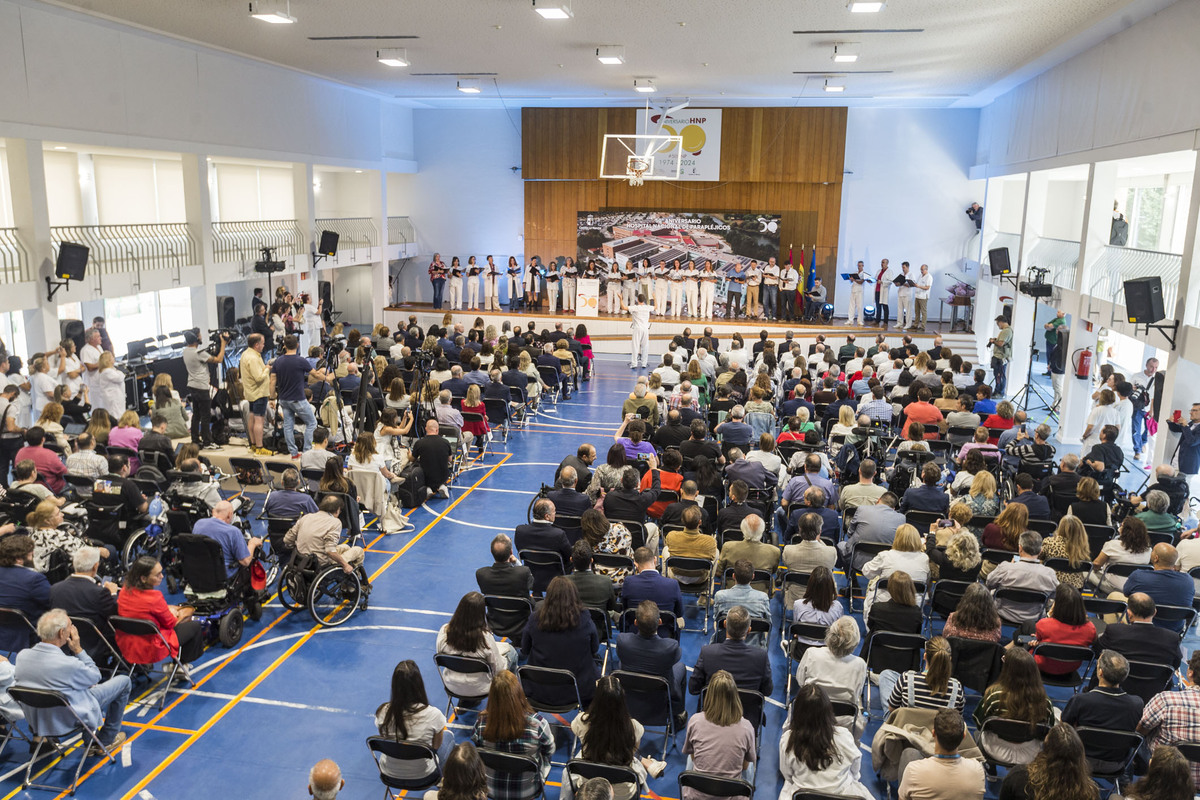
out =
column 293, row 589
column 270, row 562
column 140, row 544
column 334, row 596
column 230, row 631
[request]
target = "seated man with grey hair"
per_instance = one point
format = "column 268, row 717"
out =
column 749, row 666
column 639, row 404
column 1106, row 706
column 595, row 789
column 1034, row 455
column 1027, row 572
column 1168, row 480
column 752, row 549
column 734, row 431
column 325, row 778
column 1062, row 484
column 289, row 501
column 1157, row 516
column 84, row 595
column 77, row 678
column 449, row 415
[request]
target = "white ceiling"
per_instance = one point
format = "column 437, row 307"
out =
column 725, row 51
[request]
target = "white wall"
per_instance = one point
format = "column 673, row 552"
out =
column 62, row 188
column 907, row 194
column 1064, row 210
column 465, row 199
column 249, row 192
column 132, row 191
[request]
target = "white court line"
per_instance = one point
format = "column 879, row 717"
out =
column 262, row 701
column 511, row 464
column 470, row 524
column 197, row 668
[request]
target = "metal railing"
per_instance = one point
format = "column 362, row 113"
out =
column 353, row 232
column 1060, row 256
column 1120, row 264
column 241, row 241
column 400, row 230
column 14, row 258
column 132, row 248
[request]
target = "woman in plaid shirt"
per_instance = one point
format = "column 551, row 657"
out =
column 509, row 725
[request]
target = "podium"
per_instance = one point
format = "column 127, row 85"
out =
column 587, row 297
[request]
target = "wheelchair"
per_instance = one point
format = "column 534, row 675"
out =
column 218, row 599
column 330, row 594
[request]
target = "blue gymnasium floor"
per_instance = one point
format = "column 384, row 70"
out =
column 293, row 693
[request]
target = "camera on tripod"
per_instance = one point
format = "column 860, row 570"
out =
column 215, row 337
column 336, row 344
column 1038, row 286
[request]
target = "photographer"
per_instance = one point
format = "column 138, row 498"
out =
column 199, row 384
column 1001, row 345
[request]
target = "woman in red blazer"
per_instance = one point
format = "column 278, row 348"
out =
column 140, row 599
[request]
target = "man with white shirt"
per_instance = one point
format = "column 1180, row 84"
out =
column 789, row 279
column 1143, row 403
column 754, row 279
column 668, row 372
column 854, row 316
column 640, row 333
column 89, row 356
column 883, row 292
column 924, row 283
column 904, row 299
column 771, row 289
column 708, row 364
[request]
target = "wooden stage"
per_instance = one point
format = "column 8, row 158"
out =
column 610, row 333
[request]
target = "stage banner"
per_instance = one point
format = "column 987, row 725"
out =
column 700, row 129
column 587, row 297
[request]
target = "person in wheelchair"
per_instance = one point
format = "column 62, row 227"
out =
column 237, row 549
column 289, row 501
column 318, row 535
column 192, row 487
column 51, row 533
column 134, row 504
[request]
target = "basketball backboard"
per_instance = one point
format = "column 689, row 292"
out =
column 640, row 157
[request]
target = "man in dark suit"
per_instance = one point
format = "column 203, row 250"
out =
column 648, row 584
column 645, row 652
column 567, row 500
column 1138, row 638
column 1039, row 506
column 505, row 577
column 730, row 517
column 1106, row 706
column 541, row 534
column 673, row 514
column 673, row 434
column 595, row 591
column 582, row 461
column 457, row 385
column 514, row 378
column 83, row 595
column 749, row 666
column 628, row 502
column 697, row 445
column 23, row 589
column 926, row 496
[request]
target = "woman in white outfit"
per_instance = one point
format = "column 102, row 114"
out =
column 514, row 282
column 473, row 271
column 613, row 288
column 454, row 285
column 491, row 286
column 1105, row 412
column 108, row 386
column 691, row 285
column 644, row 279
column 815, row 753
column 569, row 274
column 708, row 289
column 314, row 325
column 676, row 279
column 661, row 285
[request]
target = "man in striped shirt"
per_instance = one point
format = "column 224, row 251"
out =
column 877, row 407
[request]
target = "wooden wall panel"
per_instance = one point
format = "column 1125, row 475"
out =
column 787, row 161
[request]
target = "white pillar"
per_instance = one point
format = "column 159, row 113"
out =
column 198, row 205
column 31, row 213
column 305, row 199
column 380, row 266
column 1025, row 308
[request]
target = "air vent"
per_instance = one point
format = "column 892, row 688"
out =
column 370, row 38
column 859, row 30
column 453, row 74
column 844, row 72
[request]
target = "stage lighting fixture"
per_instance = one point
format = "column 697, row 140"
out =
column 842, row 54
column 468, row 85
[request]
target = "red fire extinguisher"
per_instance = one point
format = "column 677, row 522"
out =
column 1083, row 364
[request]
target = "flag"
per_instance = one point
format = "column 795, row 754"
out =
column 812, row 270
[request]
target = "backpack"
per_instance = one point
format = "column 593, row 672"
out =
column 847, row 462
column 411, row 492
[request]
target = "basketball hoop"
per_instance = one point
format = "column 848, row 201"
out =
column 636, row 169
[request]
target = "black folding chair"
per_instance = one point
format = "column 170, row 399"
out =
column 145, row 627
column 715, row 785
column 668, row 627
column 650, row 697
column 407, row 753
column 550, row 679
column 507, row 616
column 1014, row 731
column 701, row 588
column 12, row 618
column 45, row 700
column 1027, row 598
column 1109, row 741
column 95, row 642
column 505, row 764
column 1066, row 652
column 586, row 770
column 467, row 665
column 796, row 647
column 976, row 663
column 1064, row 566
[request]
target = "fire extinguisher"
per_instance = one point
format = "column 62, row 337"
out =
column 1083, row 364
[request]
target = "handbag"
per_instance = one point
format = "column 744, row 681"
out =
column 1151, row 425
column 393, row 519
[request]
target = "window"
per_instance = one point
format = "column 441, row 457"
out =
column 147, row 315
column 12, row 332
column 174, row 310
column 70, row 311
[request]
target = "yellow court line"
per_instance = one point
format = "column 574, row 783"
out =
column 163, row 728
column 262, row 676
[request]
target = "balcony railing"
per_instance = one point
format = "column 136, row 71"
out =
column 242, row 241
column 132, row 248
column 1121, row 264
column 401, row 231
column 353, row 232
column 14, row 258
column 1060, row 256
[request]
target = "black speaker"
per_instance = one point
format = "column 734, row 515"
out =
column 71, row 329
column 71, row 264
column 329, row 243
column 226, row 314
column 998, row 258
column 325, row 292
column 1144, row 300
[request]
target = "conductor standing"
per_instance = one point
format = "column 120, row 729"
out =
column 640, row 329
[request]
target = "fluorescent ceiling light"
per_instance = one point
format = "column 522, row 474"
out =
column 553, row 10
column 644, row 85
column 834, row 87
column 393, row 57
column 272, row 11
column 861, row 7
column 59, row 147
column 468, row 85
column 842, row 55
column 611, row 54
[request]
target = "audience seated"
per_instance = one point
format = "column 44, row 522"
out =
column 510, row 725
column 1164, row 584
column 1026, row 572
column 21, row 589
column 467, row 634
column 643, row 651
column 648, row 584
column 506, row 576
column 595, row 591
column 720, row 740
column 836, row 670
column 560, row 635
column 1060, row 761
column 140, row 599
column 408, row 717
column 566, row 496
column 1017, row 694
column 947, row 775
column 83, row 594
column 1106, row 706
column 289, row 501
column 751, row 548
column 541, row 534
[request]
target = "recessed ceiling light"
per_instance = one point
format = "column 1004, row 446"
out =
column 273, row 11
column 556, row 9
column 834, row 87
column 468, row 85
column 59, row 147
column 644, row 85
column 358, row 172
column 610, row 54
column 861, row 7
column 843, row 54
column 393, row 57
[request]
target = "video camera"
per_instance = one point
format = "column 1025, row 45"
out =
column 215, row 337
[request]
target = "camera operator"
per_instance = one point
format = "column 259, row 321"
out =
column 199, row 385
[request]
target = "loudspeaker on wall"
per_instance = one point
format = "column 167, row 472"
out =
column 1144, row 300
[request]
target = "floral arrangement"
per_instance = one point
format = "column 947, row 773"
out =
column 960, row 290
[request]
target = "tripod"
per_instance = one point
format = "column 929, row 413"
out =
column 1024, row 396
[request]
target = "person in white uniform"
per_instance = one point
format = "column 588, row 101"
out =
column 640, row 326
column 904, row 299
column 924, row 283
column 883, row 294
column 473, row 270
column 854, row 316
column 491, row 286
column 514, row 282
column 708, row 289
column 570, row 273
column 311, row 324
column 66, row 367
column 629, row 282
column 612, row 287
column 644, row 278
column 676, row 279
column 533, row 283
column 661, row 285
column 454, row 285
column 691, row 287
column 89, row 356
column 552, row 278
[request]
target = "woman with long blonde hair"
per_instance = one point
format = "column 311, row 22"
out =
column 722, row 710
column 1069, row 541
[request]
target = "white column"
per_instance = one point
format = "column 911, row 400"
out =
column 1186, row 304
column 198, row 205
column 1097, row 220
column 380, row 267
column 1025, row 308
column 31, row 213
column 306, row 211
